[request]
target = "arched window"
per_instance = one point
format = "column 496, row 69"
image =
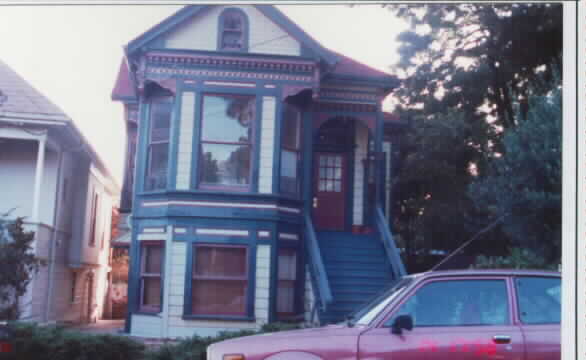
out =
column 233, row 30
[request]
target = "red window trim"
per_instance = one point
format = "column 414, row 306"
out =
column 244, row 278
column 297, row 291
column 144, row 244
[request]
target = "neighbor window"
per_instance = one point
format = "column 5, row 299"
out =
column 151, row 269
column 158, row 145
column 287, row 282
column 226, row 141
column 94, row 218
column 219, row 280
column 290, row 145
column 233, row 29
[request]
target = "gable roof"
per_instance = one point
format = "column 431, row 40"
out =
column 123, row 89
column 22, row 98
column 350, row 67
column 269, row 11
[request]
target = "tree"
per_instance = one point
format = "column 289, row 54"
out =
column 17, row 265
column 478, row 59
column 524, row 182
column 468, row 72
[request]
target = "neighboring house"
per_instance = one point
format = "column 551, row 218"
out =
column 50, row 175
column 257, row 173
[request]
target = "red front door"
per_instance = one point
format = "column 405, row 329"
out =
column 329, row 202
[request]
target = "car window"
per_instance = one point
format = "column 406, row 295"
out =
column 457, row 303
column 539, row 300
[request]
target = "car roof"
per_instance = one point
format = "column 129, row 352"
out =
column 487, row 272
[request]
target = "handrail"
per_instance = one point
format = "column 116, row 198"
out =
column 316, row 265
column 389, row 242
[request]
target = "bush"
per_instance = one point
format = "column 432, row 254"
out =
column 518, row 258
column 33, row 342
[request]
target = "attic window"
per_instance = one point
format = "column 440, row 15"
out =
column 233, row 30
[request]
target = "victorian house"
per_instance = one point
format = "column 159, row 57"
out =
column 256, row 184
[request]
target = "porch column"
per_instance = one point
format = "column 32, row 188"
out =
column 378, row 149
column 39, row 178
column 307, row 161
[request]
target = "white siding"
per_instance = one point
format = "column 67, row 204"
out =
column 146, row 326
column 267, row 145
column 358, row 191
column 265, row 37
column 309, row 298
column 263, row 271
column 186, row 125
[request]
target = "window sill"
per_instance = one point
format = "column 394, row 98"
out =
column 219, row 317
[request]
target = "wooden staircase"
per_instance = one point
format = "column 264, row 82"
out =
column 357, row 269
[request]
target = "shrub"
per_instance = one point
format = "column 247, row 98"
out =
column 517, row 258
column 33, row 342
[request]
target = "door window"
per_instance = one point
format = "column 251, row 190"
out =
column 539, row 300
column 330, row 173
column 457, row 303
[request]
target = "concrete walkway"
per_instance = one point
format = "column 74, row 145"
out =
column 114, row 327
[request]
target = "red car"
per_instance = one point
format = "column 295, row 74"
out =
column 447, row 315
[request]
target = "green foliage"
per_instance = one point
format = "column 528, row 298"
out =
column 517, row 258
column 524, row 182
column 33, row 342
column 468, row 72
column 17, row 265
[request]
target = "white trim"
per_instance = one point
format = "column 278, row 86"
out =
column 225, row 83
column 160, row 236
column 264, row 234
column 270, row 86
column 153, row 230
column 31, row 118
column 288, row 236
column 180, row 230
column 219, row 204
column 228, row 232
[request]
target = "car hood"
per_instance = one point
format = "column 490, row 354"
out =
column 318, row 341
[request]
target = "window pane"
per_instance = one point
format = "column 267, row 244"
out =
column 219, row 297
column 286, row 297
column 458, row 303
column 228, row 118
column 287, row 264
column 153, row 256
column 220, row 261
column 161, row 119
column 539, row 300
column 289, row 171
column 291, row 127
column 158, row 162
column 151, row 291
column 225, row 164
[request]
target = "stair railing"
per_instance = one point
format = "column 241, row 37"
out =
column 317, row 268
column 389, row 243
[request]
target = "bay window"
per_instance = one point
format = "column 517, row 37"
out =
column 290, row 149
column 158, row 144
column 226, row 141
column 219, row 280
column 151, row 269
column 287, row 282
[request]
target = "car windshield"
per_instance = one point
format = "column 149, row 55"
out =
column 368, row 312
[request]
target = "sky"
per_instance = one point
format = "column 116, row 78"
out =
column 71, row 54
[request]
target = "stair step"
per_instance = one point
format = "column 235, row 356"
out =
column 333, row 256
column 357, row 266
column 358, row 273
column 354, row 251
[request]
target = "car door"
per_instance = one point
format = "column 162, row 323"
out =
column 454, row 318
column 539, row 313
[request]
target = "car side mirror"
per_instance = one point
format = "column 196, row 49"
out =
column 402, row 322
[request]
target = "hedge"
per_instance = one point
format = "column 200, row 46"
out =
column 34, row 342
